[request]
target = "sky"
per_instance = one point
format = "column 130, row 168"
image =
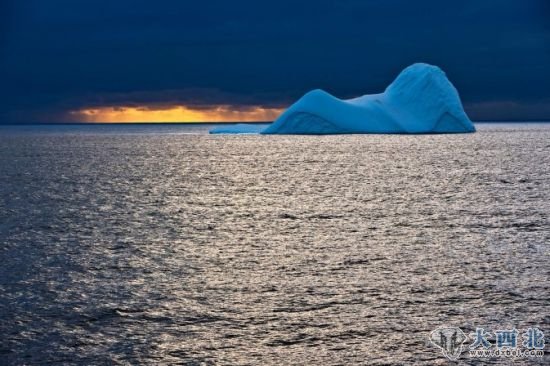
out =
column 247, row 60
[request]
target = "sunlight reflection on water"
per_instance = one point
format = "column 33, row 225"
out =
column 157, row 247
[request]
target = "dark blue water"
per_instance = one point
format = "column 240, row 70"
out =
column 166, row 245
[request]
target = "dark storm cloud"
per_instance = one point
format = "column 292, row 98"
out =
column 59, row 55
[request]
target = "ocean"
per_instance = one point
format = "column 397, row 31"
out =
column 161, row 244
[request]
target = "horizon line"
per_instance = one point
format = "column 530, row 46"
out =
column 221, row 122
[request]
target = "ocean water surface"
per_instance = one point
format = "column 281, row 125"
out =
column 165, row 245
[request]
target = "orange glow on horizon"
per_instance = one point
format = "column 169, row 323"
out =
column 221, row 113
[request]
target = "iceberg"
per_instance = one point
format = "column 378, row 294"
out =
column 420, row 100
column 244, row 128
